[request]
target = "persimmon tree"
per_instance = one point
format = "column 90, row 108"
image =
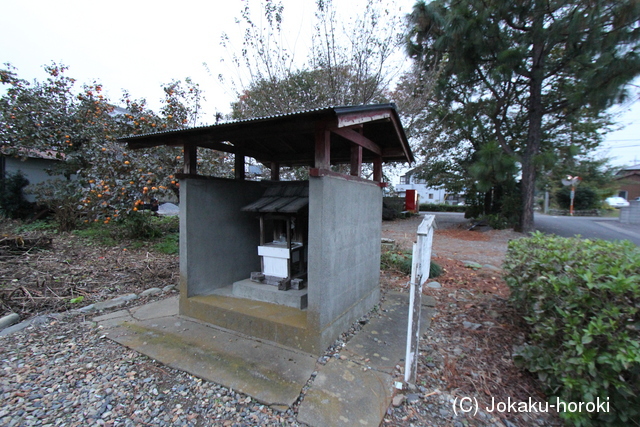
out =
column 97, row 176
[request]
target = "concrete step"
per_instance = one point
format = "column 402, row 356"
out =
column 273, row 322
column 354, row 389
column 296, row 298
column 272, row 374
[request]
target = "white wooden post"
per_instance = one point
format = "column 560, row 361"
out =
column 421, row 263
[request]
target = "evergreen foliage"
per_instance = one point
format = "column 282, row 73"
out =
column 585, row 198
column 581, row 300
column 12, row 201
column 533, row 77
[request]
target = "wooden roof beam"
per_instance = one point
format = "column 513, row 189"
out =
column 399, row 131
column 361, row 140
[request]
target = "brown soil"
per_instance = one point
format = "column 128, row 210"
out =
column 39, row 279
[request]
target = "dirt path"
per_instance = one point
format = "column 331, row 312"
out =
column 452, row 240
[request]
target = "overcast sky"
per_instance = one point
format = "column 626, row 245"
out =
column 138, row 45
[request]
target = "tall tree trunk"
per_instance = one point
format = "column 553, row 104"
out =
column 528, row 159
column 534, row 134
column 487, row 203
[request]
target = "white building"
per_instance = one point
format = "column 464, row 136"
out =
column 410, row 181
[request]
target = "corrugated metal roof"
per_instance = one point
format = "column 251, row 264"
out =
column 33, row 153
column 337, row 109
column 230, row 122
column 289, row 139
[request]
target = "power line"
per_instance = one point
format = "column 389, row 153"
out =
column 623, row 146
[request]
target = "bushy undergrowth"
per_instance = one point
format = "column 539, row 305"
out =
column 581, row 300
column 437, row 207
column 584, row 198
column 400, row 260
column 12, row 201
column 143, row 229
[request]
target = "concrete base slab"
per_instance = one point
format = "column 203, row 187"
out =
column 345, row 394
column 383, row 341
column 114, row 319
column 157, row 309
column 353, row 390
column 296, row 298
column 271, row 374
column 358, row 390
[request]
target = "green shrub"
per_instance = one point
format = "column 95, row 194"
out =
column 167, row 224
column 169, row 245
column 434, row 270
column 12, row 201
column 432, row 207
column 63, row 197
column 581, row 300
column 141, row 225
column 396, row 259
column 400, row 260
column 585, row 198
column 102, row 234
column 498, row 222
column 39, row 225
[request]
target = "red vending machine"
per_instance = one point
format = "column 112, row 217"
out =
column 411, row 202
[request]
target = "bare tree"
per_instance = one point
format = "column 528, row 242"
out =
column 349, row 62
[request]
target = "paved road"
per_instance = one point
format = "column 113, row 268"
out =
column 587, row 227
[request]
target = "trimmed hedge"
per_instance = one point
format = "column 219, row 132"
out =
column 432, row 207
column 581, row 299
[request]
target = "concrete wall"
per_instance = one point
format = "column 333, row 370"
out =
column 344, row 252
column 220, row 245
column 630, row 214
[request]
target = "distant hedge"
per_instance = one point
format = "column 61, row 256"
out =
column 581, row 300
column 432, row 207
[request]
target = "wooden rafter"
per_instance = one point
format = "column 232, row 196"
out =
column 361, row 140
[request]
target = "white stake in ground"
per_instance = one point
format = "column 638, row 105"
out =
column 420, row 266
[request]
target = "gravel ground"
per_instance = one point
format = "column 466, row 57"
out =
column 63, row 372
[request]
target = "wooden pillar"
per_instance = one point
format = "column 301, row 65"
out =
column 190, row 159
column 323, row 149
column 356, row 160
column 239, row 165
column 377, row 169
column 275, row 171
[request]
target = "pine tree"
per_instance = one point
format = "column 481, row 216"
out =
column 528, row 69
